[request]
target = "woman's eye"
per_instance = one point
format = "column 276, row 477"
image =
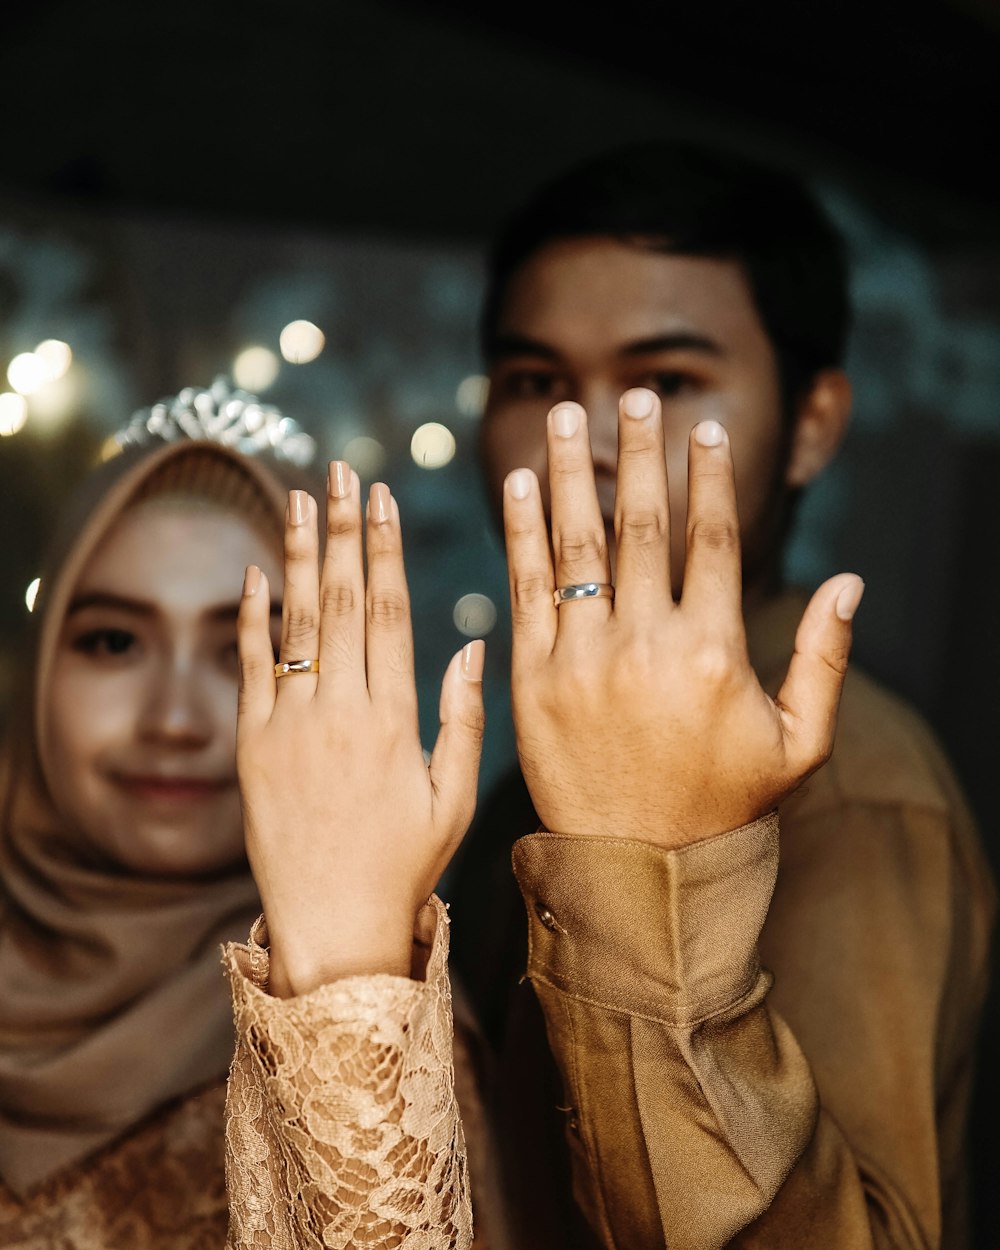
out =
column 106, row 642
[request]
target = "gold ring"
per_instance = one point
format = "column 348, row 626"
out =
column 296, row 666
column 583, row 590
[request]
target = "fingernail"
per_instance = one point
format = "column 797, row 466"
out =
column 709, row 433
column 298, row 506
column 251, row 580
column 566, row 420
column 849, row 598
column 637, row 403
column 380, row 502
column 519, row 483
column 473, row 658
column 340, row 479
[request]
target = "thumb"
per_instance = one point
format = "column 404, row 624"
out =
column 454, row 764
column 810, row 694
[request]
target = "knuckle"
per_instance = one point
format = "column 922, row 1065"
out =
column 642, row 529
column 836, row 661
column 714, row 662
column 340, row 526
column 582, row 548
column 300, row 624
column 337, row 599
column 714, row 535
column 567, row 469
column 387, row 608
column 528, row 588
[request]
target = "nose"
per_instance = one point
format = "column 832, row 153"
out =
column 600, row 402
column 175, row 711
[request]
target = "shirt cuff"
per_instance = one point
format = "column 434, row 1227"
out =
column 667, row 934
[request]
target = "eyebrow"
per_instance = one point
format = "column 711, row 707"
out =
column 140, row 607
column 506, row 346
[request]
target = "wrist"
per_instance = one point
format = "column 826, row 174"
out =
column 354, row 946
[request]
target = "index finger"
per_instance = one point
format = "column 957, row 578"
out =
column 529, row 569
column 388, row 633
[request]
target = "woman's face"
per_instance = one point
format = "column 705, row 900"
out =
column 141, row 729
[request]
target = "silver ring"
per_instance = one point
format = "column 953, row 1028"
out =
column 296, row 666
column 583, row 590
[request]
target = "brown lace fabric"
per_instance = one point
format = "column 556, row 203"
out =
column 343, row 1129
column 162, row 1187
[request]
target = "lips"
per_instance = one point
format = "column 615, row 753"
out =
column 155, row 788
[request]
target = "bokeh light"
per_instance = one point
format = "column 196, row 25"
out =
column 13, row 413
column 31, row 594
column 474, row 615
column 470, row 397
column 56, row 357
column 301, row 342
column 54, row 403
column 432, row 445
column 255, row 369
column 26, row 373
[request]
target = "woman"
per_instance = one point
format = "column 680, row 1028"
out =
column 122, row 864
column 123, row 869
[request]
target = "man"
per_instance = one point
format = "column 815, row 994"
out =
column 827, row 1108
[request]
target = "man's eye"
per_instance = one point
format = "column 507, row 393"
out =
column 106, row 642
column 528, row 384
column 668, row 384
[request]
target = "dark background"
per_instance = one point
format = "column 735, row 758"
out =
column 221, row 132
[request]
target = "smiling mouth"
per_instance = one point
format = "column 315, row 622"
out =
column 171, row 789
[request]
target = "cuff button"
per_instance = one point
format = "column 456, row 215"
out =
column 546, row 917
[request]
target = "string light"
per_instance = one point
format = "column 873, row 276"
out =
column 255, row 369
column 474, row 615
column 470, row 397
column 432, row 445
column 301, row 342
column 13, row 413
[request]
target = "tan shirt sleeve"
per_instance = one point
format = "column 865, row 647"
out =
column 695, row 1117
column 342, row 1127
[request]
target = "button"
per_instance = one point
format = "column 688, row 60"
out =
column 573, row 1122
column 546, row 917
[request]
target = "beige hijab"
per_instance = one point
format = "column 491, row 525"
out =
column 112, row 997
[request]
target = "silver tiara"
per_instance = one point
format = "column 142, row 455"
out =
column 225, row 415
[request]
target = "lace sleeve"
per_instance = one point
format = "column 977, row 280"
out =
column 342, row 1127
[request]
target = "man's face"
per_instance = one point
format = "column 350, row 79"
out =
column 585, row 319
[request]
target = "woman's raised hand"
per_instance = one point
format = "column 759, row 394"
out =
column 348, row 828
column 642, row 717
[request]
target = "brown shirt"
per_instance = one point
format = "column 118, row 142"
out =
column 778, row 1070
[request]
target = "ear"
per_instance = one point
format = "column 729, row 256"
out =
column 820, row 425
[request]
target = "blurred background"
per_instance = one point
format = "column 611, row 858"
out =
column 298, row 198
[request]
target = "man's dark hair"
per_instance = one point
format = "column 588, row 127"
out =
column 695, row 201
